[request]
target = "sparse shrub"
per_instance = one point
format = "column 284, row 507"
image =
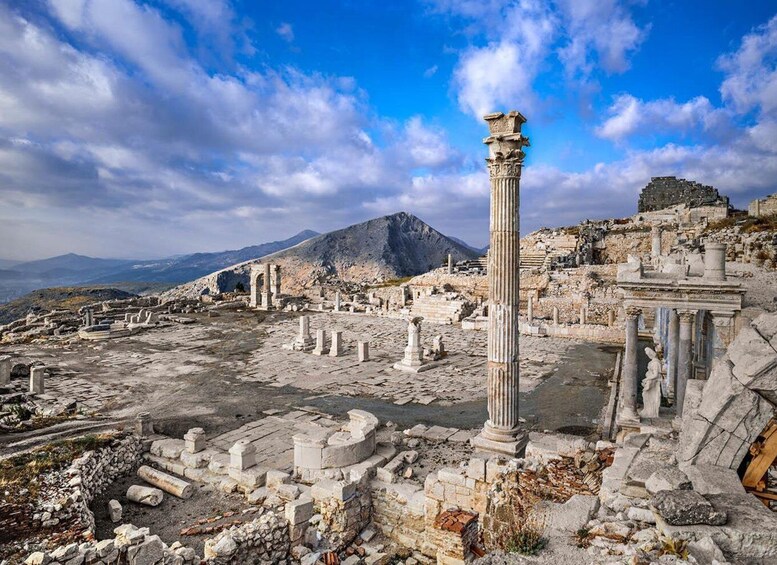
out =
column 671, row 546
column 522, row 524
column 240, row 287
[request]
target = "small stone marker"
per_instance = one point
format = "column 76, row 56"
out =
column 37, row 380
column 145, row 495
column 143, row 425
column 555, row 315
column 114, row 510
column 363, row 350
column 336, row 350
column 321, row 348
column 242, row 455
column 195, row 440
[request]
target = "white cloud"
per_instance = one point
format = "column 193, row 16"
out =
column 514, row 42
column 751, row 81
column 630, row 115
column 286, row 32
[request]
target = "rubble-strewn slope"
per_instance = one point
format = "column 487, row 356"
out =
column 65, row 298
column 389, row 247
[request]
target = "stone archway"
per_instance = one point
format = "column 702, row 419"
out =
column 725, row 415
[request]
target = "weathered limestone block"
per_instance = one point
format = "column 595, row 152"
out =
column 727, row 420
column 685, row 508
column 114, row 511
column 168, row 483
column 242, row 455
column 321, row 345
column 712, row 479
column 754, row 360
column 667, row 478
column 574, row 514
column 145, row 495
column 198, row 460
column 749, row 535
column 363, row 350
column 336, row 349
column 143, row 425
column 299, row 511
column 194, row 440
column 169, row 448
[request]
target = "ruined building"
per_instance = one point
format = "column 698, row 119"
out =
column 664, row 192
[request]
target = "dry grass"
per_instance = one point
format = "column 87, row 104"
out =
column 522, row 525
column 391, row 282
column 747, row 224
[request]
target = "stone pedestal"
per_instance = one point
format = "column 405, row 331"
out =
column 336, row 349
column 242, row 455
column 37, row 380
column 337, row 301
column 321, row 347
column 628, row 413
column 414, row 353
column 501, row 432
column 304, row 341
column 194, row 440
column 684, row 358
column 363, row 350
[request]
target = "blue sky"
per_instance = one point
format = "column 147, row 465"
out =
column 142, row 129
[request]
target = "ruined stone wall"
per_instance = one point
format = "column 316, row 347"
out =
column 763, row 207
column 265, row 538
column 664, row 192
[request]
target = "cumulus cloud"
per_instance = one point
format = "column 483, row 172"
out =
column 630, row 115
column 514, row 42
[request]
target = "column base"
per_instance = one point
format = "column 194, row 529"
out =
column 514, row 448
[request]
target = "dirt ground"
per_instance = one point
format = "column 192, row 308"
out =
column 173, row 514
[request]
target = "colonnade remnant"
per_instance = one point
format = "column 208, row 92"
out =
column 710, row 302
column 502, row 432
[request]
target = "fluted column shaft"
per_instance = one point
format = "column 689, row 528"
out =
column 684, row 358
column 503, row 287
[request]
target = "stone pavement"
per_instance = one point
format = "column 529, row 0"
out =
column 462, row 378
column 272, row 436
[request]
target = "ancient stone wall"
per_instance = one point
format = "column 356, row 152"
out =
column 664, row 192
column 763, row 206
column 263, row 540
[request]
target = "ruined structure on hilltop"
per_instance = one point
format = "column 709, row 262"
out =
column 664, row 192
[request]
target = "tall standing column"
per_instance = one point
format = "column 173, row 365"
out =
column 628, row 412
column 672, row 348
column 276, row 284
column 501, row 433
column 684, row 358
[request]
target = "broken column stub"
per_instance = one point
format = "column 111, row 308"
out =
column 195, row 440
column 167, row 483
column 502, row 433
column 715, row 261
column 242, row 455
column 363, row 351
column 143, row 425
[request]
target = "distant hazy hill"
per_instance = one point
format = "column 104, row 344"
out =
column 192, row 266
column 389, row 247
column 72, row 269
column 67, row 298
